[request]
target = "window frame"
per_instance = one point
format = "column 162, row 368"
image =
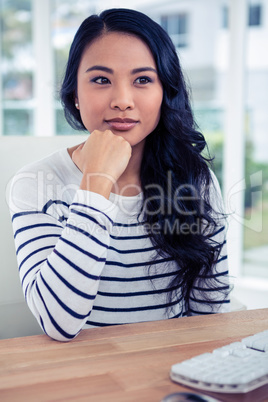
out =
column 180, row 39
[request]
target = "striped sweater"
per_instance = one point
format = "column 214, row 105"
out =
column 85, row 261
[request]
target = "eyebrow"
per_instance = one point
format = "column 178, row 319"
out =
column 110, row 71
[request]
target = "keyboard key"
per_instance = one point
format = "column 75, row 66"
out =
column 260, row 344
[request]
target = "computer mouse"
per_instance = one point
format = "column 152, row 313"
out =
column 188, row 396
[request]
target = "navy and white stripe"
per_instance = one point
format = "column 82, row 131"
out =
column 85, row 261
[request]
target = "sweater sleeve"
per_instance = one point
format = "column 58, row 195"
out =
column 60, row 261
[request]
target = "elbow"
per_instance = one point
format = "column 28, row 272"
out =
column 57, row 336
column 57, row 333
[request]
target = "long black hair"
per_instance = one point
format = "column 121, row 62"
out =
column 172, row 159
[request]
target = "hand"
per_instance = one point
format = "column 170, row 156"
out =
column 102, row 159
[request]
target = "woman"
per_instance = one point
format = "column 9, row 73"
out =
column 126, row 227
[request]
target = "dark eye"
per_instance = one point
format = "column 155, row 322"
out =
column 101, row 80
column 143, row 80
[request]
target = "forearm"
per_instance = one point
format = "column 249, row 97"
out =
column 60, row 279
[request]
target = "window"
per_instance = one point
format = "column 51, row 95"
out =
column 17, row 66
column 35, row 37
column 66, row 16
column 253, row 220
column 255, row 256
column 177, row 27
column 254, row 15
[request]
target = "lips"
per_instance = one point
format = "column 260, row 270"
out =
column 119, row 124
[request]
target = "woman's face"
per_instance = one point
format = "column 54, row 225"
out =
column 118, row 87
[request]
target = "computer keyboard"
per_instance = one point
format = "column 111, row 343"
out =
column 235, row 368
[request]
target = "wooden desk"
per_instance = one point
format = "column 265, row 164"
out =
column 119, row 363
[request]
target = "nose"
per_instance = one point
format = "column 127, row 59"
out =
column 122, row 98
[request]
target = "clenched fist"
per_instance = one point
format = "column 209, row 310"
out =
column 102, row 159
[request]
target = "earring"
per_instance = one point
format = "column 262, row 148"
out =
column 77, row 106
